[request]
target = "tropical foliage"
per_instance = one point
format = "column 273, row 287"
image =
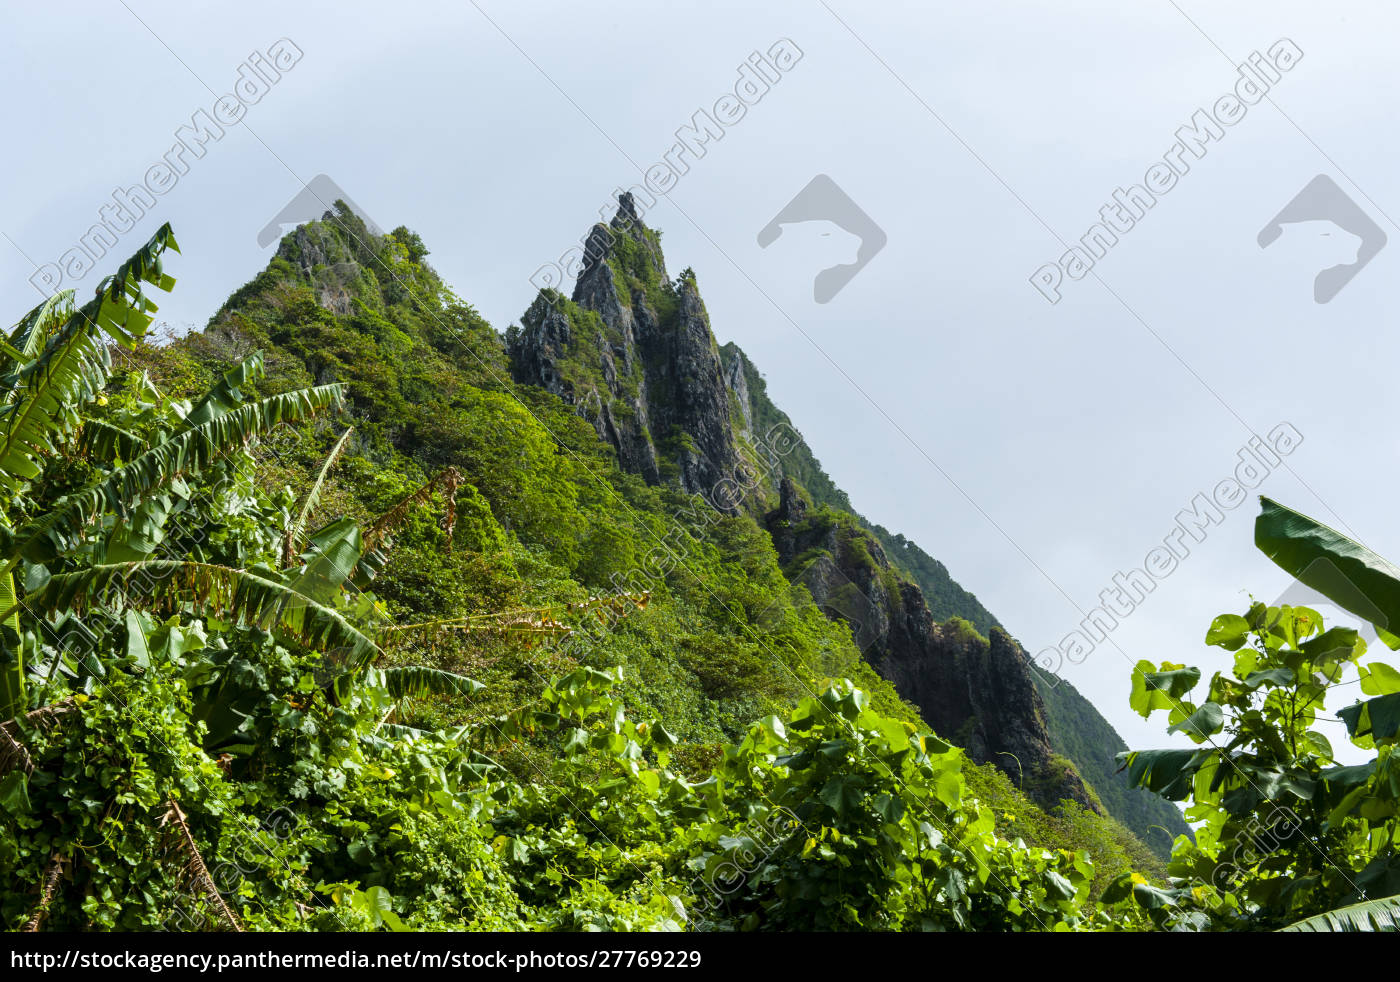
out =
column 314, row 621
column 1284, row 832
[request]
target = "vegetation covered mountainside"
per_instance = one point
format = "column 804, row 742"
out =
column 322, row 619
column 633, row 352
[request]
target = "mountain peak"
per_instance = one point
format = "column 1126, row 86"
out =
column 626, row 210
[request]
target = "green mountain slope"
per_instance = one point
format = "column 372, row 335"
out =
column 1078, row 732
column 552, row 515
column 633, row 353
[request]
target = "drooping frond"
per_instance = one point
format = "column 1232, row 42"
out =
column 193, row 875
column 529, row 625
column 106, row 443
column 44, row 717
column 415, row 682
column 13, row 754
column 188, row 453
column 28, row 337
column 225, row 395
column 230, row 594
column 40, row 396
column 293, row 540
column 1373, row 915
column 449, row 479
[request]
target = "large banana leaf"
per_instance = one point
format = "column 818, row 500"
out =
column 231, row 594
column 53, row 362
column 28, row 337
column 331, row 557
column 416, row 681
column 1341, row 569
column 47, row 536
column 105, row 443
column 225, row 395
column 41, row 396
column 292, row 541
column 1373, row 915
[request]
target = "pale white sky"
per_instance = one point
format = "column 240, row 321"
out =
column 1035, row 449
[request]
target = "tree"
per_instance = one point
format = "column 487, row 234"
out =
column 1286, row 832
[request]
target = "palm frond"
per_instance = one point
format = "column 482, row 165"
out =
column 397, row 732
column 416, row 681
column 230, row 594
column 1373, row 915
column 48, row 889
column 44, row 717
column 106, row 442
column 449, row 479
column 28, row 336
column 13, row 754
column 41, row 395
column 292, row 541
column 225, row 395
column 188, row 453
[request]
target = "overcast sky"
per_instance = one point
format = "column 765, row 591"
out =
column 1037, row 449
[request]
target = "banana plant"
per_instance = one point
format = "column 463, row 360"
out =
column 1284, row 831
column 55, row 361
column 55, row 366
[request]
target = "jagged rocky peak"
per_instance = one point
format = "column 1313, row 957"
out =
column 330, row 256
column 633, row 353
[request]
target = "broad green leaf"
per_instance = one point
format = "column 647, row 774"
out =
column 1229, row 631
column 1377, row 718
column 1153, row 690
column 1338, row 567
column 1167, row 772
column 1270, row 676
column 1202, row 724
column 1379, row 679
column 136, row 648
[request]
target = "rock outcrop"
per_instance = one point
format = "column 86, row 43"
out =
column 633, row 353
column 977, row 692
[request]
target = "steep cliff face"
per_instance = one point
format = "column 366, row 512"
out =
column 632, row 351
column 976, row 691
